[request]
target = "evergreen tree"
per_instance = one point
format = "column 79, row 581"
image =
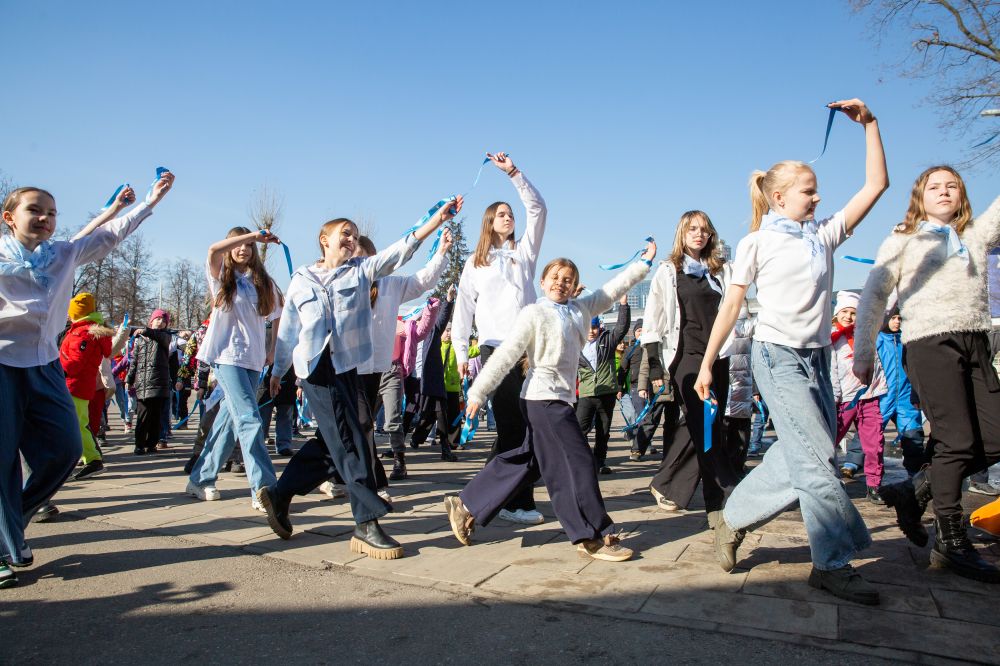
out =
column 457, row 255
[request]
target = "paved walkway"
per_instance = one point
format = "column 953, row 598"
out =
column 926, row 614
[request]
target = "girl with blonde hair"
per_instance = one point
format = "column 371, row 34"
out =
column 789, row 256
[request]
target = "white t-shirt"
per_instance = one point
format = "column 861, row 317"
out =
column 795, row 309
column 235, row 336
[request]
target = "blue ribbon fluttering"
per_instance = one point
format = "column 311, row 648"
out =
column 184, row 420
column 760, row 408
column 710, row 410
column 471, row 424
column 826, row 137
column 857, row 397
column 415, row 312
column 125, row 322
column 649, row 404
column 288, row 254
column 614, row 267
column 114, row 196
column 860, row 260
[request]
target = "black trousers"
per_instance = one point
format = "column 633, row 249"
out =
column 685, row 460
column 960, row 394
column 411, row 396
column 368, row 398
column 336, row 409
column 737, row 440
column 147, row 423
column 442, row 411
column 511, row 427
column 182, row 405
column 596, row 412
column 555, row 451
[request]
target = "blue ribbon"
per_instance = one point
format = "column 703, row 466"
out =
column 857, row 397
column 860, row 260
column 983, row 143
column 113, row 197
column 649, row 405
column 710, row 410
column 826, row 137
column 471, row 425
column 159, row 173
column 288, row 254
column 478, row 174
column 184, row 420
column 614, row 267
column 416, row 312
column 125, row 322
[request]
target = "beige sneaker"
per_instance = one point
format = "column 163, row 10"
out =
column 662, row 501
column 608, row 549
column 462, row 522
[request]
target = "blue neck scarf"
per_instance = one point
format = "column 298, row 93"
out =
column 33, row 263
column 698, row 269
column 955, row 244
column 807, row 231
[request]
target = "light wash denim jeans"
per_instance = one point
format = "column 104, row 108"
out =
column 238, row 418
column 798, row 467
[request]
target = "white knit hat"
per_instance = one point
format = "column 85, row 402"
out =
column 846, row 299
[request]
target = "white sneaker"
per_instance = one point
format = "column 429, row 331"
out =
column 384, row 494
column 207, row 493
column 523, row 517
column 333, row 490
column 257, row 506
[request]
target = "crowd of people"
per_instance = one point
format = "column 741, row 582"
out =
column 336, row 351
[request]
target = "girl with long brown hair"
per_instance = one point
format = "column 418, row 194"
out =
column 496, row 284
column 684, row 298
column 936, row 261
column 244, row 299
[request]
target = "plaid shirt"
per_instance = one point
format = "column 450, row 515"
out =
column 335, row 309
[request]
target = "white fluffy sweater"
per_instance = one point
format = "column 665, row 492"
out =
column 937, row 293
column 552, row 338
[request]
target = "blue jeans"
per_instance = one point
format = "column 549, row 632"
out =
column 121, row 399
column 282, row 426
column 238, row 419
column 798, row 468
column 39, row 421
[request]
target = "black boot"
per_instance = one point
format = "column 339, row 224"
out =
column 398, row 467
column 952, row 549
column 446, row 453
column 277, row 511
column 910, row 498
column 372, row 541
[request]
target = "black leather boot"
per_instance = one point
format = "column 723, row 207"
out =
column 952, row 549
column 446, row 453
column 910, row 498
column 370, row 539
column 398, row 467
column 277, row 511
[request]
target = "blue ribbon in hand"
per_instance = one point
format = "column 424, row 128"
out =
column 614, row 267
column 826, row 137
column 711, row 409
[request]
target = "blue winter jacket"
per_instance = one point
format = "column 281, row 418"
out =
column 896, row 402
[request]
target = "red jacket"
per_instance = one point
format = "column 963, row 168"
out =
column 85, row 345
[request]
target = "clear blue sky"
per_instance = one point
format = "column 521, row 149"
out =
column 623, row 114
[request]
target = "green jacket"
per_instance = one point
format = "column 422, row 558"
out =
column 604, row 378
column 452, row 380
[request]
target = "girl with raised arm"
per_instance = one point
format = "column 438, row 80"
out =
column 789, row 256
column 496, row 283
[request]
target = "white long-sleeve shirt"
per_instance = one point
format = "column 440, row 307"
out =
column 31, row 316
column 392, row 291
column 552, row 336
column 486, row 296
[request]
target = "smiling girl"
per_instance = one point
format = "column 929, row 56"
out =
column 789, row 256
column 326, row 334
column 39, row 420
column 552, row 333
column 245, row 298
column 936, row 260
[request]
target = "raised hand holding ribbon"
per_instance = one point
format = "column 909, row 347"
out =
column 646, row 250
column 164, row 181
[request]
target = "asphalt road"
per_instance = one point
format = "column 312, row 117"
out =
column 101, row 594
